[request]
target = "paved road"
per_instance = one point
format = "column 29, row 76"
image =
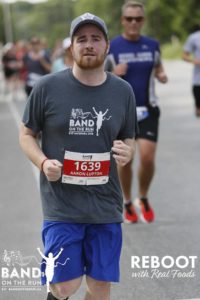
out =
column 174, row 195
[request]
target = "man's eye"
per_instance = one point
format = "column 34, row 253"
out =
column 96, row 39
column 80, row 40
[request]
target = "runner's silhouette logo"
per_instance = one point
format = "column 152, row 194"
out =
column 87, row 123
column 51, row 265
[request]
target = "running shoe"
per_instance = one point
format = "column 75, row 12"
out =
column 146, row 212
column 129, row 213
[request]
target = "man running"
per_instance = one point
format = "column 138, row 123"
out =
column 81, row 196
column 136, row 58
column 191, row 54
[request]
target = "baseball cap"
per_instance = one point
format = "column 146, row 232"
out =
column 88, row 18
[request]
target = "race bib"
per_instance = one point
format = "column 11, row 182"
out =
column 86, row 168
column 142, row 113
column 33, row 78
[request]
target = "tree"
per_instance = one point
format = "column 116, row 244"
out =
column 109, row 10
column 49, row 19
column 1, row 25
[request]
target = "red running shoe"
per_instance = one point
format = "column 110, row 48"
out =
column 129, row 213
column 146, row 212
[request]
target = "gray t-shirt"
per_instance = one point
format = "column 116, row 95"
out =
column 66, row 112
column 192, row 46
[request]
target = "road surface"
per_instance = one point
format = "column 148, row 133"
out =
column 173, row 240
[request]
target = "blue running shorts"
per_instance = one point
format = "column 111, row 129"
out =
column 91, row 249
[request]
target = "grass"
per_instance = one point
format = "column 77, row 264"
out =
column 172, row 50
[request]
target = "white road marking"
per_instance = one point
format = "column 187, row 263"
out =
column 17, row 119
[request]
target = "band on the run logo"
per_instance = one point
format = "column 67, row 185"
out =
column 22, row 273
column 87, row 123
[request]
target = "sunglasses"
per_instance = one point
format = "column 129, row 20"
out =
column 137, row 19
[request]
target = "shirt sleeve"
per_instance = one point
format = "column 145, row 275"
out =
column 33, row 116
column 188, row 47
column 157, row 54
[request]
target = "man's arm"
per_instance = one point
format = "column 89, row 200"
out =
column 188, row 57
column 29, row 144
column 120, row 69
column 45, row 64
column 123, row 151
column 160, row 73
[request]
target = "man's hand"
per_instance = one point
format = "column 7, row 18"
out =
column 162, row 77
column 197, row 62
column 52, row 169
column 123, row 153
column 120, row 69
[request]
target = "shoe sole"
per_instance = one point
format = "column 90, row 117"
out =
column 137, row 205
column 129, row 222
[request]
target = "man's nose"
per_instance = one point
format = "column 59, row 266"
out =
column 89, row 45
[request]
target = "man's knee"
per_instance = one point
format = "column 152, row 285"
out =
column 65, row 289
column 97, row 287
column 147, row 159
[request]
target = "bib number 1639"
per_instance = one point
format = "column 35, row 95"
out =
column 87, row 165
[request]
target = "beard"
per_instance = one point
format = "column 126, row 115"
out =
column 90, row 62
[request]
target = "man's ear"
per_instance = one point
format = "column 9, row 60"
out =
column 108, row 47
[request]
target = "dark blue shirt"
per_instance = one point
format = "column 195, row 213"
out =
column 141, row 56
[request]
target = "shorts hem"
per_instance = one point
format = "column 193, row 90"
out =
column 148, row 138
column 98, row 278
column 63, row 280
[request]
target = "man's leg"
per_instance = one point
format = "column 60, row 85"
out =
column 102, row 250
column 97, row 290
column 69, row 268
column 126, row 177
column 147, row 152
column 65, row 289
column 196, row 93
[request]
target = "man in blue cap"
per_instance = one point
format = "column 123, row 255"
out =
column 88, row 122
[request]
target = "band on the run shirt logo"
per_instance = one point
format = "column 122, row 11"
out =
column 87, row 123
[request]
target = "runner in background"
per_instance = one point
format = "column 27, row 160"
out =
column 11, row 68
column 65, row 59
column 37, row 63
column 136, row 59
column 191, row 54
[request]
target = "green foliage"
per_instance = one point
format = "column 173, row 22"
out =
column 49, row 19
column 159, row 19
column 1, row 23
column 109, row 10
column 164, row 18
column 172, row 50
column 186, row 17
